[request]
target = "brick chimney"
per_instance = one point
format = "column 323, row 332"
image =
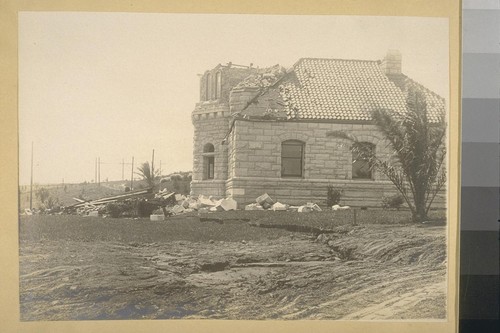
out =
column 391, row 65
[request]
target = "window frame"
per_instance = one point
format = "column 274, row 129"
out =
column 208, row 87
column 356, row 158
column 208, row 161
column 218, row 85
column 293, row 143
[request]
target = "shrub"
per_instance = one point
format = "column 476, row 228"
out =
column 394, row 201
column 333, row 195
column 144, row 208
column 116, row 209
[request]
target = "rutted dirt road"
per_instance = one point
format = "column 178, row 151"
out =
column 356, row 272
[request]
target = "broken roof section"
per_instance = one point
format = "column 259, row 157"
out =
column 331, row 89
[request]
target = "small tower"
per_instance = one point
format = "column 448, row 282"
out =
column 212, row 119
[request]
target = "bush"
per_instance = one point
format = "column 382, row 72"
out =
column 394, row 201
column 117, row 209
column 144, row 208
column 333, row 195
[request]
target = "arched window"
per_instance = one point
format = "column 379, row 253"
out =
column 361, row 168
column 208, row 161
column 292, row 158
column 218, row 85
column 208, row 87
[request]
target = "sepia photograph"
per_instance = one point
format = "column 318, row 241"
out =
column 190, row 166
column 201, row 168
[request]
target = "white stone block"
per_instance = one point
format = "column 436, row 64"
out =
column 304, row 209
column 254, row 206
column 279, row 206
column 227, row 204
column 177, row 209
column 264, row 199
column 156, row 217
column 338, row 207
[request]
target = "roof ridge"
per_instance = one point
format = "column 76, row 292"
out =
column 421, row 86
column 336, row 59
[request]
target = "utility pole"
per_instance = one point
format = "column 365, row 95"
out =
column 152, row 165
column 160, row 168
column 132, row 175
column 99, row 171
column 31, row 179
column 123, row 169
column 95, row 174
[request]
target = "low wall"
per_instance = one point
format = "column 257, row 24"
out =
column 299, row 191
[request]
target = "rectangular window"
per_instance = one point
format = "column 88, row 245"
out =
column 292, row 155
column 210, row 167
column 360, row 166
column 218, row 84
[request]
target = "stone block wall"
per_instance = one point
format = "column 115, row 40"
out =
column 255, row 159
column 210, row 126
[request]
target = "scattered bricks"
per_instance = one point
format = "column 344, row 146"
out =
column 203, row 210
column 279, row 206
column 254, row 206
column 265, row 201
column 94, row 213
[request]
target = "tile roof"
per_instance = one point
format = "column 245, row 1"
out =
column 334, row 89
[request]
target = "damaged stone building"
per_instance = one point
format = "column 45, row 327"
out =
column 265, row 130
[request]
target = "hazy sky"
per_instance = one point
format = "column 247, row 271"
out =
column 117, row 85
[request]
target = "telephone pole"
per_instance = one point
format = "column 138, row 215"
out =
column 152, row 164
column 31, row 179
column 123, row 169
column 132, row 175
column 95, row 172
column 99, row 171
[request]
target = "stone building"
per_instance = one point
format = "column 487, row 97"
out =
column 266, row 130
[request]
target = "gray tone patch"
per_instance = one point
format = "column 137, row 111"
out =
column 480, row 75
column 480, row 120
column 480, row 208
column 480, row 164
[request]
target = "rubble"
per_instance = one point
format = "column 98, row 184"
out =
column 265, row 201
column 304, row 209
column 162, row 204
column 337, row 207
column 157, row 217
column 177, row 209
column 227, row 204
column 205, row 202
column 254, row 206
column 279, row 206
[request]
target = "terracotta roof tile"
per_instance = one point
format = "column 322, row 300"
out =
column 334, row 89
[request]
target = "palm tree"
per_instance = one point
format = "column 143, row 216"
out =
column 150, row 175
column 418, row 172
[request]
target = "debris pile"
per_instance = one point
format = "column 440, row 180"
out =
column 265, row 78
column 265, row 202
column 157, row 206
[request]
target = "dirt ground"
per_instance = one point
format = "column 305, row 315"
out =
column 82, row 268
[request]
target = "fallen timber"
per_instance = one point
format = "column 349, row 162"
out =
column 114, row 198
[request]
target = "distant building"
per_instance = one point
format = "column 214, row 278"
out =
column 265, row 130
